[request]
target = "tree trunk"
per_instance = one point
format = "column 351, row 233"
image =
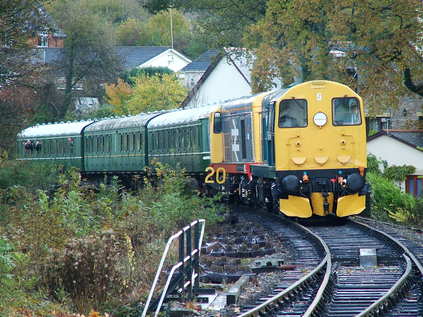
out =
column 69, row 74
column 408, row 82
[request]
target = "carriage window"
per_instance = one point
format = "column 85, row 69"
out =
column 293, row 113
column 346, row 111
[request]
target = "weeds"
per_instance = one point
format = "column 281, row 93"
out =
column 94, row 248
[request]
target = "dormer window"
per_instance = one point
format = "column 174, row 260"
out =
column 43, row 39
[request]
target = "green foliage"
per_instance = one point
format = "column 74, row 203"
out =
column 115, row 11
column 99, row 247
column 88, row 55
column 372, row 132
column 158, row 29
column 388, row 198
column 398, row 173
column 223, row 23
column 393, row 173
column 294, row 39
column 155, row 93
column 8, row 283
column 32, row 175
column 131, row 33
column 130, row 76
column 373, row 164
column 14, row 285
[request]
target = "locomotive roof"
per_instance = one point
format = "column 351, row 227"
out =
column 54, row 129
column 181, row 116
column 137, row 121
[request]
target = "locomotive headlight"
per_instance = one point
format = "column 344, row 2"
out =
column 320, row 119
column 355, row 182
column 290, row 183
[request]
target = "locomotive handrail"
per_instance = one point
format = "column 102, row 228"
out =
column 195, row 251
column 326, row 262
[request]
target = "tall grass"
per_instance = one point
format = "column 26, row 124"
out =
column 96, row 248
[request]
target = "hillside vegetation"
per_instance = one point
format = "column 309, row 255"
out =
column 73, row 248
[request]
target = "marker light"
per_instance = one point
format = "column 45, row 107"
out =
column 320, row 119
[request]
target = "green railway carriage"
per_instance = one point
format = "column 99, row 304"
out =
column 59, row 143
column 118, row 145
column 299, row 150
column 181, row 138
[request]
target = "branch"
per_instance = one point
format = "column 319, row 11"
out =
column 408, row 82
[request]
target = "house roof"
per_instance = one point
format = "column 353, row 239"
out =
column 214, row 62
column 201, row 63
column 133, row 56
column 413, row 138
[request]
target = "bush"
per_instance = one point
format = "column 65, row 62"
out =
column 33, row 175
column 99, row 247
column 388, row 198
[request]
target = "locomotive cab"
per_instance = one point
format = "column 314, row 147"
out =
column 320, row 151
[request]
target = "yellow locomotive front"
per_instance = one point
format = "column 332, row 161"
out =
column 320, row 151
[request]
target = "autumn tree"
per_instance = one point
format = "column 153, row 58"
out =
column 223, row 23
column 116, row 11
column 295, row 41
column 118, row 95
column 152, row 93
column 19, row 77
column 131, row 32
column 158, row 29
column 88, row 54
column 19, row 21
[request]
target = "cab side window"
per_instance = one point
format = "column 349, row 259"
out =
column 293, row 113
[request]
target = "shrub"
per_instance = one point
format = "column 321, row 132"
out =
column 388, row 198
column 33, row 175
column 99, row 247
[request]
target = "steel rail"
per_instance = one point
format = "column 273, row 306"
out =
column 399, row 243
column 326, row 262
column 383, row 302
column 410, row 258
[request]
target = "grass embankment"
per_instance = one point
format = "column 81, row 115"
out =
column 73, row 249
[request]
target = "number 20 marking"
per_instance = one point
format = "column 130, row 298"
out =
column 220, row 175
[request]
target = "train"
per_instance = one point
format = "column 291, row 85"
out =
column 300, row 151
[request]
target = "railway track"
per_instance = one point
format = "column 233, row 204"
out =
column 337, row 285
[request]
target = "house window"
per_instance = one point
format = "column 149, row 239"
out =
column 42, row 40
column 414, row 185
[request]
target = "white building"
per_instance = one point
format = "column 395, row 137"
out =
column 217, row 76
column 151, row 56
column 401, row 147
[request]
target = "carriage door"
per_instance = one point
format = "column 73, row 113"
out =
column 238, row 138
column 269, row 133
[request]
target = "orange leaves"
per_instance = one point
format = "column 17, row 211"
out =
column 118, row 95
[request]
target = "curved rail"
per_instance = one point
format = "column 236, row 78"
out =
column 384, row 301
column 389, row 297
column 285, row 294
column 416, row 261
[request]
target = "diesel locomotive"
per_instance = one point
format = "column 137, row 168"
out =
column 301, row 150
